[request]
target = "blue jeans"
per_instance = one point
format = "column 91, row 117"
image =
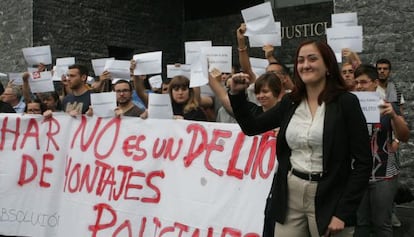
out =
column 375, row 210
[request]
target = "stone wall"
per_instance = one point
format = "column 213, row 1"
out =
column 222, row 30
column 388, row 30
column 89, row 27
column 15, row 33
column 85, row 29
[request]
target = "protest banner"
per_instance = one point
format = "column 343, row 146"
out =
column 90, row 176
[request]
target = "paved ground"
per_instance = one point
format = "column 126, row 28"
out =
column 405, row 213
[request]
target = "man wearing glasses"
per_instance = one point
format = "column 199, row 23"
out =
column 126, row 107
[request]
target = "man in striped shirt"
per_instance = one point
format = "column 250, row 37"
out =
column 375, row 211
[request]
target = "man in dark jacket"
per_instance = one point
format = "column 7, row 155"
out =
column 5, row 107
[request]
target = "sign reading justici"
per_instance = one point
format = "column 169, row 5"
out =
column 304, row 30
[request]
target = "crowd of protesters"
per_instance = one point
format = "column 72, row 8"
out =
column 337, row 174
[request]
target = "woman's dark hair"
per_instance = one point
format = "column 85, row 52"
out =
column 271, row 80
column 179, row 82
column 43, row 107
column 335, row 84
column 54, row 95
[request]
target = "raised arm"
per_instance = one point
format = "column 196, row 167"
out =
column 103, row 83
column 269, row 53
column 139, row 84
column 214, row 79
column 243, row 53
column 26, row 91
column 398, row 123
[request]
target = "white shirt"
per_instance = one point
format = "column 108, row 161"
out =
column 20, row 107
column 251, row 95
column 381, row 92
column 304, row 136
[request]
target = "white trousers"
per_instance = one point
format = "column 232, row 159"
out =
column 300, row 219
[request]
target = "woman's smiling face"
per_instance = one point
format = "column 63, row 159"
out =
column 310, row 65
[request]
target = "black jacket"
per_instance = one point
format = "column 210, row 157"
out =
column 6, row 108
column 196, row 114
column 347, row 161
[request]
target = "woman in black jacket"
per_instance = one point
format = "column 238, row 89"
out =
column 322, row 147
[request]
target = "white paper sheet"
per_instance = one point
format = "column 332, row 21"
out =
column 16, row 77
column 148, row 63
column 103, row 104
column 370, row 105
column 199, row 73
column 219, row 57
column 345, row 37
column 37, row 55
column 178, row 70
column 118, row 68
column 98, row 65
column 159, row 106
column 259, row 65
column 261, row 40
column 193, row 50
column 43, row 83
column 259, row 19
column 61, row 68
column 155, row 81
column 344, row 19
